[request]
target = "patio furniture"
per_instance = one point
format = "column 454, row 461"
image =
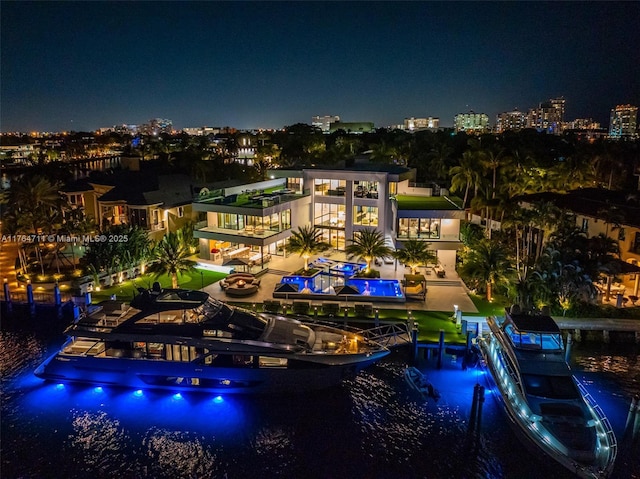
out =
column 271, row 306
column 364, row 310
column 330, row 309
column 301, row 307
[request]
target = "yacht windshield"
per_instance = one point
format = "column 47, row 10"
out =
column 533, row 339
column 242, row 324
column 556, row 387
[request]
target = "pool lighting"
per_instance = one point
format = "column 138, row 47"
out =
column 138, row 393
column 59, row 386
column 97, row 389
column 218, row 399
column 177, row 396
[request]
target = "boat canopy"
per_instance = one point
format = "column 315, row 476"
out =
column 533, row 332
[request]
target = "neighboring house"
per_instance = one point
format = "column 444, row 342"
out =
column 156, row 203
column 615, row 214
column 255, row 220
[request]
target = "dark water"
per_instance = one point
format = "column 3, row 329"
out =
column 370, row 427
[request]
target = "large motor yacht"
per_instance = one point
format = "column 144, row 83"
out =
column 547, row 407
column 182, row 339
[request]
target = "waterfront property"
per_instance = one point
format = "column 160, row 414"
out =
column 254, row 221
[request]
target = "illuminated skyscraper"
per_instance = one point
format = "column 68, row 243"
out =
column 324, row 122
column 623, row 122
column 549, row 116
column 510, row 120
column 471, row 122
column 413, row 124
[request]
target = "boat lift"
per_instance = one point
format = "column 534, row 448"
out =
column 389, row 335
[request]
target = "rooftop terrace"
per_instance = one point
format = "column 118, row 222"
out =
column 410, row 202
column 262, row 198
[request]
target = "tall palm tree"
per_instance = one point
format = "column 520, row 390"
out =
column 172, row 258
column 306, row 242
column 466, row 174
column 487, row 262
column 415, row 253
column 368, row 244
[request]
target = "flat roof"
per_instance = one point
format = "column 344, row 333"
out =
column 534, row 323
column 414, row 202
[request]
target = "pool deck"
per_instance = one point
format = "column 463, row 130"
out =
column 442, row 293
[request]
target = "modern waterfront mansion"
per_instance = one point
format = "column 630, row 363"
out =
column 254, row 221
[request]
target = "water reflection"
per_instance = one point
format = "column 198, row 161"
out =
column 371, row 427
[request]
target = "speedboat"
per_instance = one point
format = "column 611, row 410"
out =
column 547, row 407
column 419, row 383
column 182, row 339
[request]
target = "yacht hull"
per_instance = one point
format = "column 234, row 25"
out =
column 183, row 376
column 531, row 434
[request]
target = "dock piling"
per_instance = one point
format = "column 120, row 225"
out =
column 636, row 425
column 567, row 352
column 480, row 404
column 441, row 349
column 7, row 297
column 631, row 415
column 30, row 301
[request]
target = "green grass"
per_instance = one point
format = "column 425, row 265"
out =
column 486, row 308
column 125, row 290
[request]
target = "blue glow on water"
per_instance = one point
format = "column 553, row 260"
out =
column 97, row 389
column 218, row 399
column 59, row 386
column 138, row 393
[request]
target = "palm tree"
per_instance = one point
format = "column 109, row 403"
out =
column 172, row 258
column 415, row 253
column 487, row 262
column 465, row 174
column 306, row 242
column 368, row 244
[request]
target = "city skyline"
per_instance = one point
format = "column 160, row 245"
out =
column 254, row 65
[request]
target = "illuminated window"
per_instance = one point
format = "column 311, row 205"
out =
column 365, row 215
column 330, row 187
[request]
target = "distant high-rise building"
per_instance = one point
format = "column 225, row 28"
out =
column 471, row 122
column 582, row 124
column 201, row 131
column 413, row 124
column 324, row 122
column 549, row 116
column 156, row 126
column 623, row 122
column 510, row 120
column 352, row 127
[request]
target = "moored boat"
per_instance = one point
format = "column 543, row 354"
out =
column 419, row 383
column 548, row 408
column 185, row 340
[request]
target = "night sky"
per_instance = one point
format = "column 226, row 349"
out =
column 85, row 65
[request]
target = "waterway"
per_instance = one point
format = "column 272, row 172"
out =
column 371, row 427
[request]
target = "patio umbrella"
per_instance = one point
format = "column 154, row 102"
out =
column 347, row 290
column 286, row 288
column 237, row 262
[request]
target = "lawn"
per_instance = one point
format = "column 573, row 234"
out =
column 125, row 290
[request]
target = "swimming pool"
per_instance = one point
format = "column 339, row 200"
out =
column 326, row 285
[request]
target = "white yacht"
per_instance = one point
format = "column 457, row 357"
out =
column 547, row 407
column 180, row 339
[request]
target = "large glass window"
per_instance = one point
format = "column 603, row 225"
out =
column 294, row 184
column 230, row 221
column 330, row 187
column 427, row 228
column 326, row 214
column 365, row 215
column 365, row 189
